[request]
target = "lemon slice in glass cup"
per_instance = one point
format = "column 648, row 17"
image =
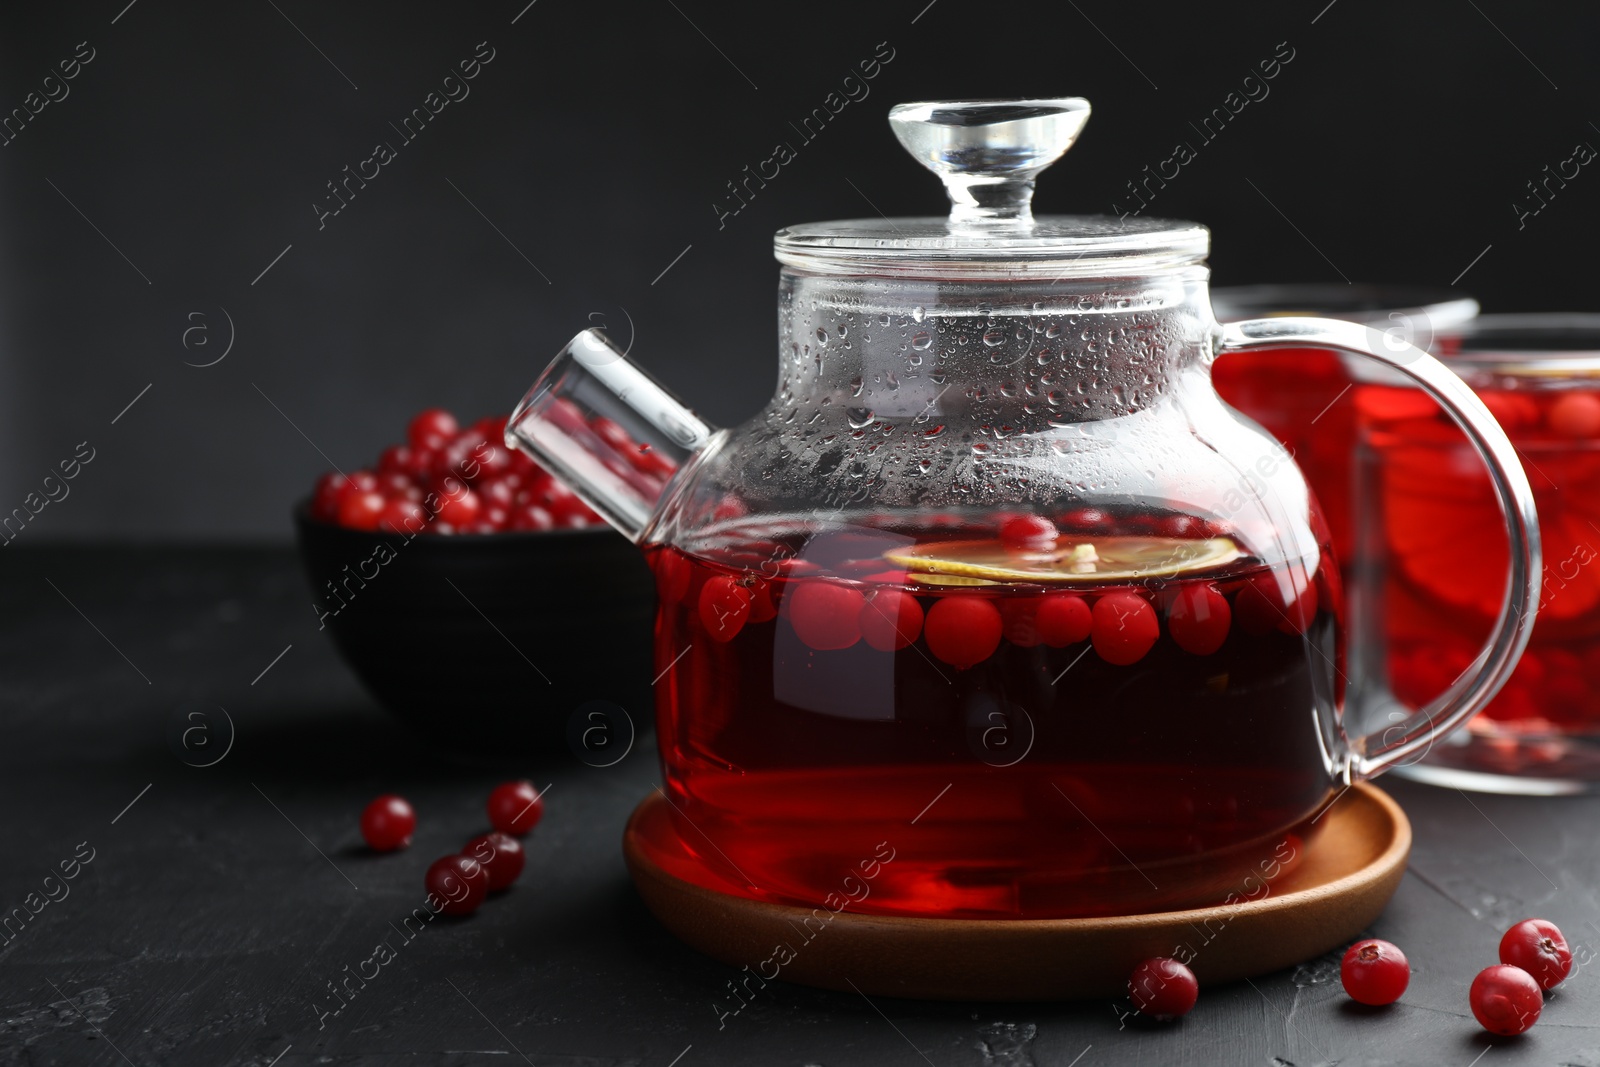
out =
column 1094, row 560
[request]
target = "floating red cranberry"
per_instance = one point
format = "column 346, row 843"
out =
column 825, row 615
column 1125, row 628
column 1019, row 621
column 891, row 620
column 1513, row 411
column 763, row 608
column 1162, row 988
column 1576, row 415
column 387, row 823
column 1086, row 520
column 432, row 429
column 1198, row 619
column 1505, row 1000
column 1185, row 526
column 673, row 573
column 1063, row 619
column 1374, row 972
column 1283, row 600
column 500, row 855
column 458, row 882
column 515, row 807
column 963, row 630
column 1537, row 947
column 1028, row 532
column 361, row 509
column 724, row 607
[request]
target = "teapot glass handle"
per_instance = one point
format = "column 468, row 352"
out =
column 1372, row 753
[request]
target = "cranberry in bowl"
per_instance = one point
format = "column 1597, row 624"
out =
column 475, row 596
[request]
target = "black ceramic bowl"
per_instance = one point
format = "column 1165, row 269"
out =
column 491, row 645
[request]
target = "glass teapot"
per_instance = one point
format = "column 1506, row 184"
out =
column 996, row 598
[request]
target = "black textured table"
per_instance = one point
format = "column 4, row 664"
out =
column 214, row 908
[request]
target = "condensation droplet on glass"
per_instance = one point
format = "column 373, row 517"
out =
column 994, row 337
column 858, row 417
column 918, row 313
column 822, row 337
column 856, row 386
column 922, row 340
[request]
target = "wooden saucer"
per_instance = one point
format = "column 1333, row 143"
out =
column 1349, row 873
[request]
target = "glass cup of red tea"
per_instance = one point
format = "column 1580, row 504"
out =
column 1302, row 395
column 1432, row 534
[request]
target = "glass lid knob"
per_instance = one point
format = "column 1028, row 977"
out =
column 988, row 152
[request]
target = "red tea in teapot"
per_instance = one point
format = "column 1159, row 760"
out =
column 1028, row 747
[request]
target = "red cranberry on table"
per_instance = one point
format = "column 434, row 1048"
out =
column 1163, row 988
column 459, row 882
column 1374, row 972
column 1506, row 1000
column 500, row 855
column 1537, row 947
column 387, row 823
column 515, row 807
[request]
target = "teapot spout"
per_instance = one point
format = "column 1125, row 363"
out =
column 608, row 430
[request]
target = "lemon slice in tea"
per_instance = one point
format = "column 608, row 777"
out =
column 939, row 578
column 1098, row 560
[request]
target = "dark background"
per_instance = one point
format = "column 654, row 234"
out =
column 596, row 143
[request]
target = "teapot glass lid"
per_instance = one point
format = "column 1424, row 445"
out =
column 988, row 154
